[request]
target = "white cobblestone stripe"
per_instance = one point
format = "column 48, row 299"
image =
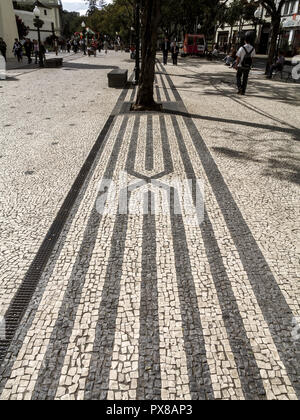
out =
column 149, row 160
column 54, row 358
column 197, row 366
column 174, row 373
column 78, row 354
column 164, row 89
column 156, row 87
column 124, row 370
column 220, row 358
column 31, row 355
column 97, row 382
column 271, row 369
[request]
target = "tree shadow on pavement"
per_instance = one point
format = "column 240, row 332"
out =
column 88, row 66
column 288, row 93
column 281, row 167
column 295, row 132
column 283, row 164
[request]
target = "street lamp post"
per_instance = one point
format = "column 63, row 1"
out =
column 84, row 36
column 137, row 42
column 131, row 32
column 38, row 23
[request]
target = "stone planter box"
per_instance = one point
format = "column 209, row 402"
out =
column 117, row 78
column 53, row 62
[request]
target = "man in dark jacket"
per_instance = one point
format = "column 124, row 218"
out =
column 174, row 52
column 28, row 47
column 165, row 47
column 3, row 48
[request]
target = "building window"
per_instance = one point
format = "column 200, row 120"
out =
column 290, row 7
column 45, row 12
column 286, row 8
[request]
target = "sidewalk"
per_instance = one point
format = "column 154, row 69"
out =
column 162, row 305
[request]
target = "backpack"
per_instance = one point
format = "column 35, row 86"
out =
column 247, row 61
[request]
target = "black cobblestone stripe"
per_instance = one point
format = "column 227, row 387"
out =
column 98, row 377
column 49, row 374
column 149, row 381
column 270, row 298
column 249, row 373
column 198, row 370
column 194, row 344
column 149, row 145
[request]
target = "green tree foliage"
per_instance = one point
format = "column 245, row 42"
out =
column 111, row 18
column 71, row 23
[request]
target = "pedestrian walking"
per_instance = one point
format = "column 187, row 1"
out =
column 69, row 46
column 18, row 50
column 28, row 47
column 165, row 47
column 105, row 45
column 55, row 46
column 3, row 48
column 244, row 63
column 43, row 53
column 75, row 46
column 174, row 52
column 35, row 51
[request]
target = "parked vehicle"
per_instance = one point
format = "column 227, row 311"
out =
column 194, row 44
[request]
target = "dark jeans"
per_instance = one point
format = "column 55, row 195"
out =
column 175, row 58
column 28, row 55
column 275, row 67
column 165, row 54
column 242, row 79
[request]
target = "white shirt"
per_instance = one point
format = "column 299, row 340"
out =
column 241, row 53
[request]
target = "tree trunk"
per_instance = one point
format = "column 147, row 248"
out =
column 150, row 15
column 275, row 32
column 230, row 40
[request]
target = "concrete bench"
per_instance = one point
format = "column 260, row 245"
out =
column 53, row 62
column 117, row 78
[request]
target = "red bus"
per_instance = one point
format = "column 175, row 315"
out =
column 194, row 44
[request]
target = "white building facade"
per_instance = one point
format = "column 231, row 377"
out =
column 8, row 26
column 50, row 15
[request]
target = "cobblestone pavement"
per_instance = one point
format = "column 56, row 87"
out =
column 155, row 304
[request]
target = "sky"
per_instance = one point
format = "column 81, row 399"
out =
column 77, row 6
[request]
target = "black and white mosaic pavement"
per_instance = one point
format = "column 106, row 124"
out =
column 150, row 304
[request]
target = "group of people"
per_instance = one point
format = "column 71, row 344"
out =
column 171, row 47
column 29, row 48
column 89, row 48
